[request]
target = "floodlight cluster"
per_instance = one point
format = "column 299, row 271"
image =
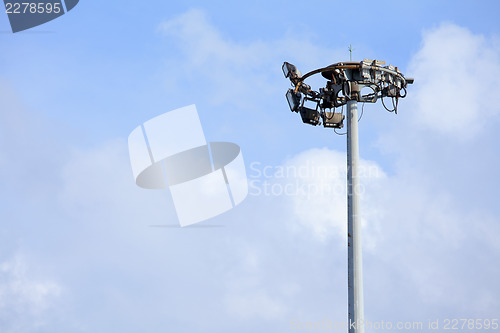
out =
column 345, row 82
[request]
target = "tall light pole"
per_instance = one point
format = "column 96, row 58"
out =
column 347, row 78
column 354, row 261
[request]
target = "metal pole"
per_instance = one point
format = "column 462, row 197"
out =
column 355, row 263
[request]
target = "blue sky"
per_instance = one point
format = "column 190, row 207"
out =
column 77, row 253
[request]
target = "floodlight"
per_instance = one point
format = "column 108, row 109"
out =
column 309, row 116
column 291, row 71
column 293, row 99
column 333, row 119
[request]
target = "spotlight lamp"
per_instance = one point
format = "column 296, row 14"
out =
column 345, row 82
column 293, row 99
column 291, row 71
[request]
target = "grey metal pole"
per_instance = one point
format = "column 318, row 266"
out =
column 355, row 262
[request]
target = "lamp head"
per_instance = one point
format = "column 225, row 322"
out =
column 290, row 71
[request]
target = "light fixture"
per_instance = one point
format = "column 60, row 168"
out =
column 333, row 119
column 309, row 116
column 290, row 71
column 345, row 81
column 293, row 99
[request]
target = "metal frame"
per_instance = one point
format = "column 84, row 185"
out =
column 384, row 81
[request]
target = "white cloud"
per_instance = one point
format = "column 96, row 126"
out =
column 417, row 228
column 249, row 296
column 255, row 304
column 25, row 299
column 98, row 182
column 240, row 73
column 316, row 181
column 456, row 81
column 318, row 200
